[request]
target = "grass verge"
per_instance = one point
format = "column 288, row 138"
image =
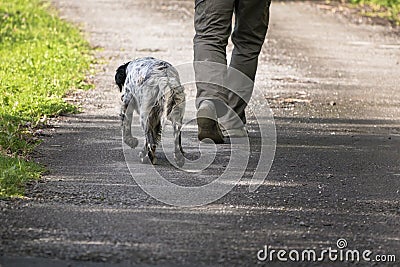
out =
column 384, row 9
column 41, row 58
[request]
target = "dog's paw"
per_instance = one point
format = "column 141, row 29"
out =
column 179, row 159
column 147, row 158
column 131, row 141
column 152, row 157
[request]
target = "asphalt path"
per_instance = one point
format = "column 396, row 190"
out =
column 333, row 87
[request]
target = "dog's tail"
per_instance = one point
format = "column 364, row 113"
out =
column 153, row 109
column 175, row 94
column 164, row 103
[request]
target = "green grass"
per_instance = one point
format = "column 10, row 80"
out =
column 41, row 58
column 15, row 173
column 387, row 9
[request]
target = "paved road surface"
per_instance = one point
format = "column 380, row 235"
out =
column 334, row 89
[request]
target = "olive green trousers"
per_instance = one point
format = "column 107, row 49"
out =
column 233, row 84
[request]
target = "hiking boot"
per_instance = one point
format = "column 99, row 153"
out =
column 207, row 123
column 236, row 132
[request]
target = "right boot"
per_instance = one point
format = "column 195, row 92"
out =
column 208, row 127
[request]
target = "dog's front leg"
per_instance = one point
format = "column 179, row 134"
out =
column 127, row 115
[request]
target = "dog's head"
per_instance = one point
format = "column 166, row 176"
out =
column 120, row 76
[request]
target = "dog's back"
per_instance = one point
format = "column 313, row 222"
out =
column 154, row 88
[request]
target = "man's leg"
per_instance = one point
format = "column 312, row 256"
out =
column 213, row 24
column 213, row 20
column 251, row 25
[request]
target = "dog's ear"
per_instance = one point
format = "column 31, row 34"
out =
column 120, row 76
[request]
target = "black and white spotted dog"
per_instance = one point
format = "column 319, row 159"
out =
column 152, row 88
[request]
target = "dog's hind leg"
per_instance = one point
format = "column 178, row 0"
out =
column 148, row 153
column 178, row 152
column 176, row 117
column 127, row 115
column 152, row 128
column 175, row 111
